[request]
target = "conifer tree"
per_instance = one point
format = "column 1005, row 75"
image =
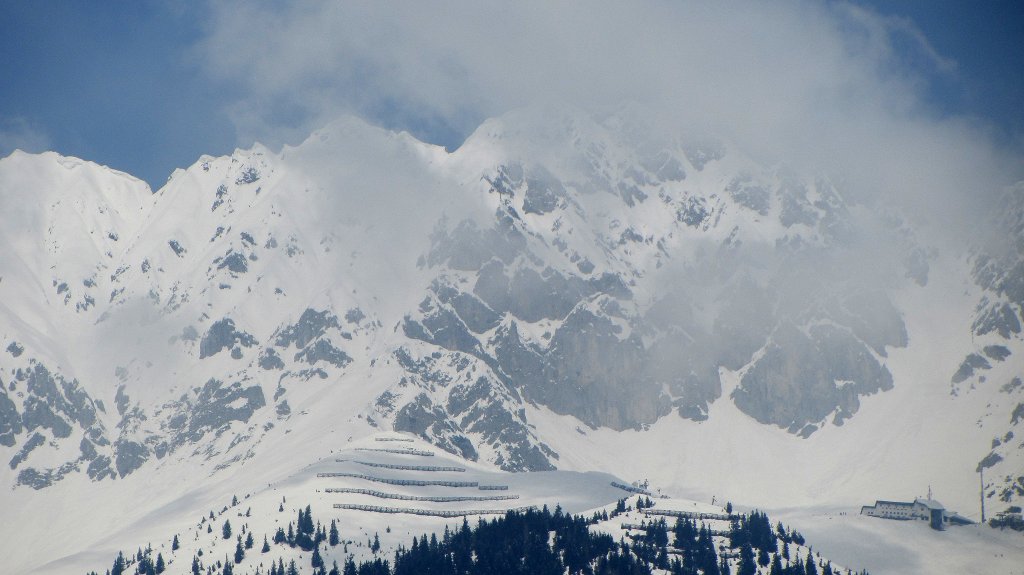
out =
column 160, row 566
column 239, row 552
column 811, row 567
column 334, row 537
column 226, row 530
column 174, row 544
column 292, row 569
column 266, row 545
column 334, row 569
column 119, row 565
column 196, row 567
column 248, row 540
column 747, row 565
column 317, row 560
column 227, row 567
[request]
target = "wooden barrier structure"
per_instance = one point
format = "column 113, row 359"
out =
column 429, row 512
column 685, row 514
column 390, row 481
column 631, row 489
column 431, row 498
column 404, row 467
column 400, row 451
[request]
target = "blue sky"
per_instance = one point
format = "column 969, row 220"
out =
column 146, row 86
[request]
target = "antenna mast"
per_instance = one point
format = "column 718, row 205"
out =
column 981, row 472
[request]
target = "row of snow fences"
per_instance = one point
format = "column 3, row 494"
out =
column 400, row 451
column 493, row 488
column 405, row 467
column 392, row 439
column 647, row 527
column 432, row 498
column 630, row 488
column 686, row 514
column 430, row 512
column 414, row 482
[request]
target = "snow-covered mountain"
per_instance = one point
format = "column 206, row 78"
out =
column 562, row 291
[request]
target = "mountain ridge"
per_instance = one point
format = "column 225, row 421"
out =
column 525, row 305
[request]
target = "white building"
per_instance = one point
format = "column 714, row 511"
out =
column 921, row 509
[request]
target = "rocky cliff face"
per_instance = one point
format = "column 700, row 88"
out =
column 365, row 275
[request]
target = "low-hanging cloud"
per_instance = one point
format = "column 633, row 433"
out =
column 832, row 87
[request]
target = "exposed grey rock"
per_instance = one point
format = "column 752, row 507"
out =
column 803, row 378
column 234, row 262
column 88, row 449
column 178, row 249
column 484, row 408
column 39, row 414
column 33, row 442
column 41, row 479
column 665, row 167
column 211, row 408
column 270, row 360
column 323, row 350
column 354, row 315
column 997, row 317
column 468, row 248
column 543, row 193
column 223, row 335
column 34, row 479
column 989, row 461
column 248, row 175
column 970, row 363
column 99, row 468
column 10, row 420
column 693, row 211
column 750, row 194
column 795, row 207
column 130, row 455
column 591, row 373
column 432, row 423
column 15, row 349
column 474, row 313
column 443, row 328
column 873, row 318
column 630, row 194
column 121, row 401
column 283, row 409
column 479, row 413
column 996, row 352
column 701, row 153
column 532, row 296
column 312, row 324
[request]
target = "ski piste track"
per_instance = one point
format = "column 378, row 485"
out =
column 413, row 482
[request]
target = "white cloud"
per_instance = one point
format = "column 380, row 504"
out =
column 19, row 134
column 825, row 86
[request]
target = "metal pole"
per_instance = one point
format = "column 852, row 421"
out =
column 981, row 472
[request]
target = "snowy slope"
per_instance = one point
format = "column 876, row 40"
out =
column 561, row 292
